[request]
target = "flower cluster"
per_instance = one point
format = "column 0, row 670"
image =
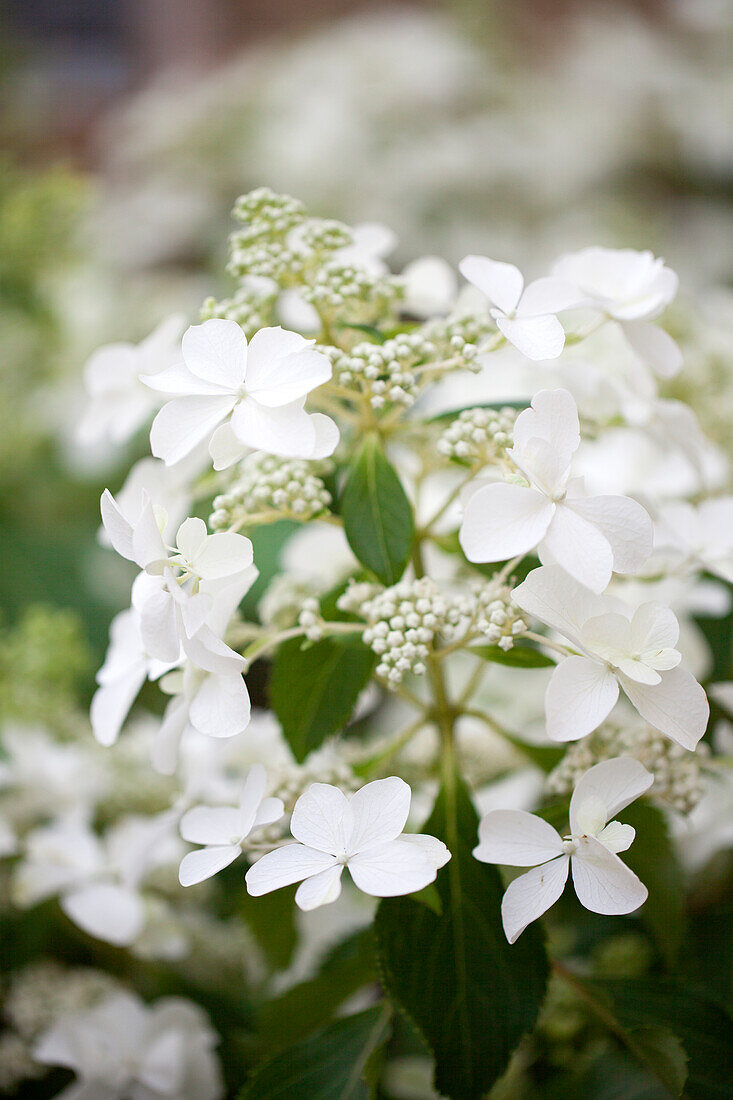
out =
column 479, row 436
column 264, row 483
column 403, row 623
column 383, row 372
column 497, row 618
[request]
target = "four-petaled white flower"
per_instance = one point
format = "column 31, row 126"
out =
column 525, row 316
column 704, row 535
column 632, row 288
column 222, row 829
column 260, row 391
column 363, row 833
column 632, row 649
column 603, row 883
column 589, row 537
column 119, row 403
column 123, row 1049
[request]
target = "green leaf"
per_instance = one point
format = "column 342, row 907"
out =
column 662, row 1051
column 653, row 859
column 271, row 920
column 377, row 514
column 519, row 656
column 313, row 689
column 311, row 1004
column 470, row 994
column 618, row 1076
column 329, row 1065
column 703, row 1027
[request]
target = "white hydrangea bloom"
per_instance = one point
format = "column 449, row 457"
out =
column 123, row 1049
column 525, row 316
column 632, row 288
column 603, row 883
column 259, row 390
column 118, row 402
column 222, row 829
column 633, row 649
column 589, row 536
column 363, row 833
column 702, row 534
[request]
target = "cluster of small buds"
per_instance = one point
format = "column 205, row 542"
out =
column 310, row 619
column 252, row 306
column 356, row 594
column 251, row 254
column 478, row 436
column 403, row 622
column 283, row 601
column 498, row 618
column 351, row 293
column 264, row 483
column 384, row 372
column 321, row 235
column 45, row 991
column 678, row 779
column 266, row 210
column 327, row 765
column 460, row 335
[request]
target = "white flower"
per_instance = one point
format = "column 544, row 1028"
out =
column 630, row 287
column 703, row 534
column 361, row 833
column 524, row 315
column 123, row 1049
column 431, row 287
column 222, row 829
column 119, row 403
column 589, row 536
column 97, row 879
column 619, row 647
column 603, row 883
column 261, row 387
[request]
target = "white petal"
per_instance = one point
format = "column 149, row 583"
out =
column 617, row 837
column 536, row 337
column 379, row 812
column 164, row 753
column 625, row 524
column 211, row 825
column 159, row 626
column 224, row 554
column 544, row 466
column 289, row 378
column 197, row 866
column 677, row 706
column 217, row 352
column 554, row 598
column 286, row 431
column 221, row 706
column 177, row 381
column 607, row 636
column 224, row 447
column 615, row 782
column 580, row 695
column 503, row 520
column 286, row 865
column 603, row 883
column 580, row 548
column 268, row 811
column 191, row 538
column 549, row 295
column 655, row 346
column 207, row 651
column 320, row 889
column 267, row 349
column 147, row 542
column 516, row 838
column 552, row 416
column 433, row 848
column 111, row 704
column 111, row 913
column 116, row 525
column 322, row 819
column 327, row 435
column 392, row 869
column 183, row 423
column 501, row 283
column 251, row 797
column 531, row 895
column 654, row 627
